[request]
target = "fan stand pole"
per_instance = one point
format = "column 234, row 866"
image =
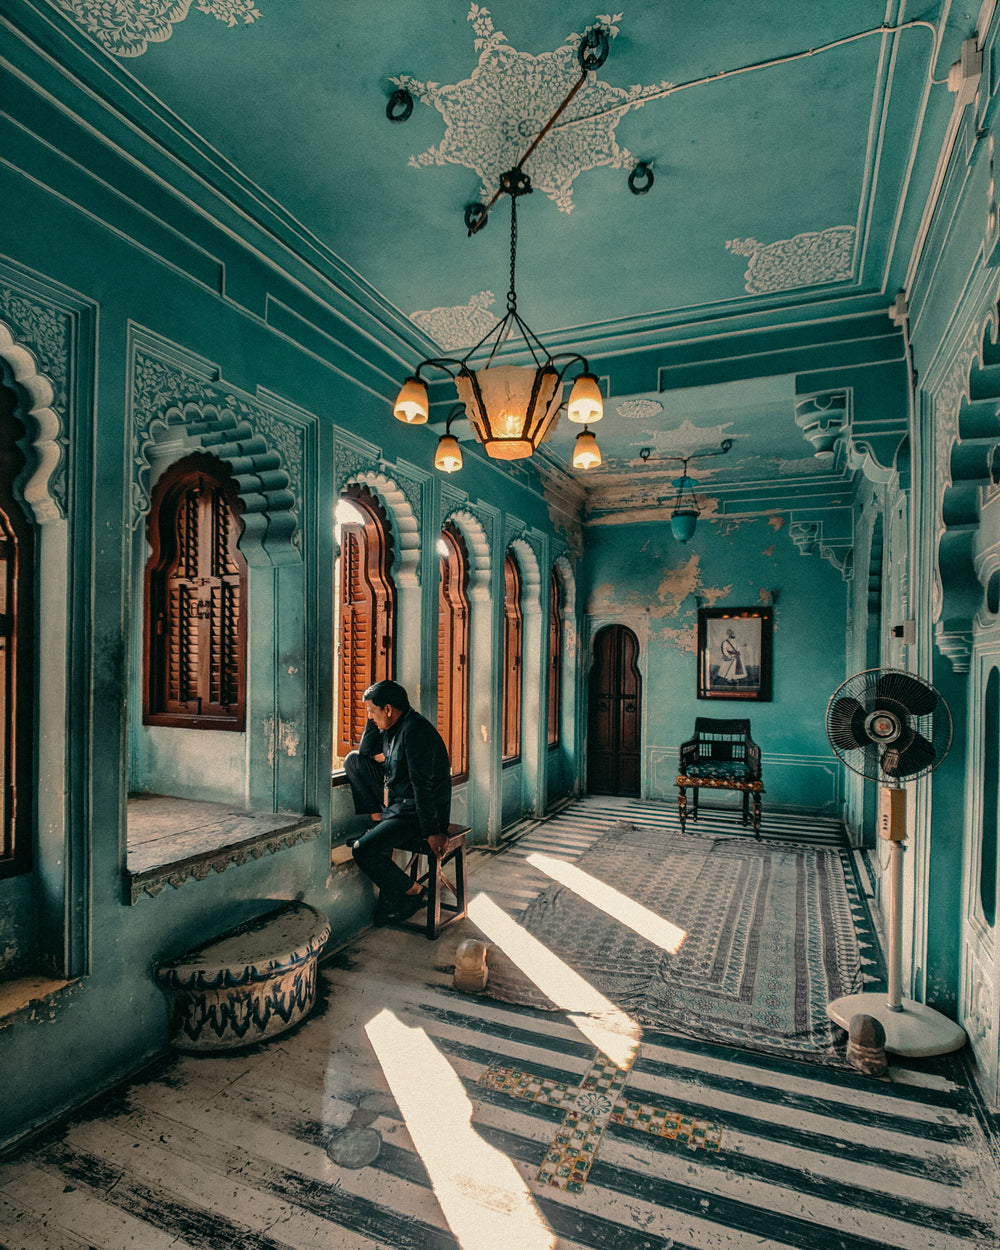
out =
column 911, row 1028
column 894, row 971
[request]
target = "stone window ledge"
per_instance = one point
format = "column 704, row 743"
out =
column 172, row 841
column 21, row 993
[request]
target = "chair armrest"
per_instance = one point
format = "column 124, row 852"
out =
column 753, row 759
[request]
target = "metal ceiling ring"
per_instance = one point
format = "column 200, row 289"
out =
column 400, row 105
column 594, row 48
column 643, row 170
column 476, row 217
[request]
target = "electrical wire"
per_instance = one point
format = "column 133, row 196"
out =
column 662, row 92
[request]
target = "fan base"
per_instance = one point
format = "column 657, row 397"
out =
column 917, row 1031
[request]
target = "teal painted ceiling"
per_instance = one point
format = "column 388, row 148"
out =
column 792, row 148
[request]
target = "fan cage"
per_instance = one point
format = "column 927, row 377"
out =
column 889, row 725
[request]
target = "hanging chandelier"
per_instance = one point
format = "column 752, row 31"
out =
column 511, row 407
column 684, row 510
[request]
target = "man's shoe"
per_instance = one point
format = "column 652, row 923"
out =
column 408, row 905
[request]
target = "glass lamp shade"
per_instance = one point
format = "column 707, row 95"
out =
column 586, row 453
column 411, row 403
column 448, row 457
column 511, row 407
column 682, row 523
column 586, row 404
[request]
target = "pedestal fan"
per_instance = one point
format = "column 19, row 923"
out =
column 893, row 727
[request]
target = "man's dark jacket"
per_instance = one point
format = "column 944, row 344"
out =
column 417, row 770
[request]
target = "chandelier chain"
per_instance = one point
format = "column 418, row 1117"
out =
column 512, row 293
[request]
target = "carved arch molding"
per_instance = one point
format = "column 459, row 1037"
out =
column 173, row 403
column 37, row 344
column 967, row 476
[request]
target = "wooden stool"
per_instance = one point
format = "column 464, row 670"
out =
column 440, row 914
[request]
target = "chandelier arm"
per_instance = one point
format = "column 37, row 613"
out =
column 446, row 364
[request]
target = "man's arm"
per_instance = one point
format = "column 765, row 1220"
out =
column 371, row 741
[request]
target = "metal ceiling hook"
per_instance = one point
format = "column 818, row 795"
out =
column 643, row 170
column 400, row 105
column 594, row 48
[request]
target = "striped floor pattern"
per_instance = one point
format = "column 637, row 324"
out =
column 253, row 1150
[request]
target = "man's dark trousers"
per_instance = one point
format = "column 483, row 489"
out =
column 373, row 855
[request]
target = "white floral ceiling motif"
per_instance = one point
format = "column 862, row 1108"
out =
column 492, row 116
column 461, row 326
column 128, row 27
column 805, row 260
column 690, row 439
column 639, row 409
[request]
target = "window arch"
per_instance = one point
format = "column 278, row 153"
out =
column 512, row 640
column 555, row 658
column 990, row 794
column 195, row 600
column 16, row 648
column 366, row 609
column 453, row 649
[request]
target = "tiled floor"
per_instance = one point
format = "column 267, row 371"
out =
column 406, row 1114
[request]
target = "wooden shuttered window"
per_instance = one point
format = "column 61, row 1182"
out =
column 511, row 661
column 195, row 600
column 555, row 660
column 16, row 649
column 366, row 613
column 453, row 650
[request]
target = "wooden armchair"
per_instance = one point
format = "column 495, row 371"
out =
column 720, row 756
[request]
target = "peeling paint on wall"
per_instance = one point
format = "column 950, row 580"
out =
column 677, row 597
column 776, row 522
column 281, row 736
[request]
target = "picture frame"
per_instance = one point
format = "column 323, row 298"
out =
column 734, row 654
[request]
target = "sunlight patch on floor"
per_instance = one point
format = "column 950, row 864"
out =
column 483, row 1197
column 613, row 1032
column 619, row 906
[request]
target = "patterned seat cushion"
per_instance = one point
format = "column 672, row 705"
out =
column 719, row 770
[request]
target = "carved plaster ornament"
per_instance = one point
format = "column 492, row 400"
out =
column 808, row 259
column 493, row 115
column 128, row 27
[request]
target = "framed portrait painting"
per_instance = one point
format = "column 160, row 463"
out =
column 734, row 653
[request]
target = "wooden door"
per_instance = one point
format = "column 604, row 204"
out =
column 613, row 735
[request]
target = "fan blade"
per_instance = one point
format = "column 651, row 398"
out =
column 846, row 724
column 917, row 755
column 914, row 695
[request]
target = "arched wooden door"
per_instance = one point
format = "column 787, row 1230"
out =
column 614, row 716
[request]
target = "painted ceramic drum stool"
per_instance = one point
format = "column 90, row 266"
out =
column 247, row 986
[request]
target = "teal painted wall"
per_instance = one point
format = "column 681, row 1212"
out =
column 220, row 315
column 640, row 575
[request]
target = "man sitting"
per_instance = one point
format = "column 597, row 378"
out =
column 400, row 775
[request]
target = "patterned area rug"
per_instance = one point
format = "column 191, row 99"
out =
column 770, row 939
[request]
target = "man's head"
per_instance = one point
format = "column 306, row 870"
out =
column 385, row 702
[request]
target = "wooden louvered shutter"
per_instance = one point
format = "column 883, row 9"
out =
column 196, row 601
column 355, row 642
column 555, row 661
column 511, row 661
column 453, row 652
column 366, row 613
